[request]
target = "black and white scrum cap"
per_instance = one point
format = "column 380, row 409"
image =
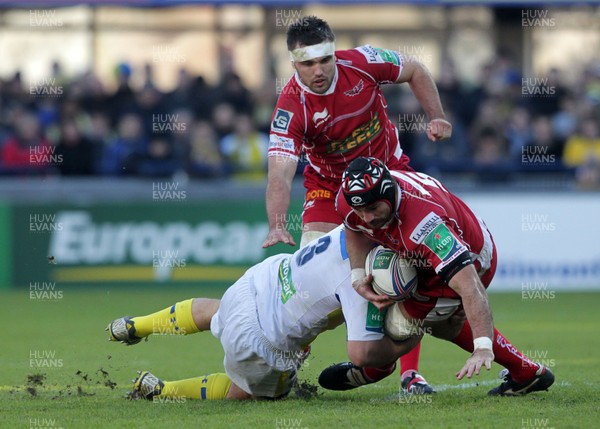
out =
column 366, row 181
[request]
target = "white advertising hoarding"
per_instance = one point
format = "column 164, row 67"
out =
column 544, row 240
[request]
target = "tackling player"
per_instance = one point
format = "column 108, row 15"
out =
column 333, row 111
column 415, row 215
column 266, row 322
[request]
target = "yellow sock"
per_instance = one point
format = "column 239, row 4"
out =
column 177, row 319
column 207, row 387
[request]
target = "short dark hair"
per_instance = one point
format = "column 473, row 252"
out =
column 308, row 31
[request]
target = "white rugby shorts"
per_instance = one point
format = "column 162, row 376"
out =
column 251, row 361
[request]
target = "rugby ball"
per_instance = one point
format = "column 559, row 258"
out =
column 392, row 276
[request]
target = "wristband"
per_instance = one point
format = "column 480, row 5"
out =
column 482, row 343
column 358, row 274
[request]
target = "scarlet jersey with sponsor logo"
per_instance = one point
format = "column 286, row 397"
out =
column 346, row 122
column 432, row 228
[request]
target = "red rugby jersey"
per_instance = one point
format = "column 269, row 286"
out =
column 348, row 121
column 432, row 227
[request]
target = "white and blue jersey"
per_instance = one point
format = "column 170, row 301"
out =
column 298, row 296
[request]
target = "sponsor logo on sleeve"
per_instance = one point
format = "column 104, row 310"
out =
column 389, row 56
column 282, row 120
column 440, row 241
column 424, row 227
column 281, row 143
column 445, row 245
column 371, row 54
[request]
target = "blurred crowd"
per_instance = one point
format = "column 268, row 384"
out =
column 504, row 125
column 509, row 124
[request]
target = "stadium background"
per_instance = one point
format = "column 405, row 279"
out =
column 133, row 139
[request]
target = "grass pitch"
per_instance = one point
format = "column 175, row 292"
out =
column 59, row 371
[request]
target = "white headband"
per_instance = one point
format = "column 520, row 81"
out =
column 306, row 53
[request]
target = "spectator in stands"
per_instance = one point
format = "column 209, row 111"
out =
column 27, row 151
column 223, row 118
column 93, row 97
column 129, row 140
column 204, row 159
column 545, row 144
column 122, row 101
column 434, row 158
column 180, row 133
column 148, row 104
column 71, row 110
column 449, row 86
column 157, row 159
column 264, row 100
column 57, row 73
column 180, row 97
column 591, row 83
column 488, row 117
column 582, row 151
column 564, row 122
column 76, row 151
column 14, row 89
column 235, row 93
column 490, row 156
column 203, row 98
column 3, row 121
column 246, row 149
column 48, row 112
column 98, row 130
column 548, row 94
column 518, row 131
column 584, row 145
column 148, row 77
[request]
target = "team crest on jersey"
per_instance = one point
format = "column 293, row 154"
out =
column 356, row 90
column 281, row 121
column 321, row 117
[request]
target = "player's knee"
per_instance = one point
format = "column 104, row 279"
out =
column 203, row 309
column 236, row 393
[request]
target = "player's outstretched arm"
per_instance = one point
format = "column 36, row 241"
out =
column 423, row 86
column 279, row 185
column 477, row 309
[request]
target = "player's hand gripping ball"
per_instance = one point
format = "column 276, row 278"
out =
column 392, row 276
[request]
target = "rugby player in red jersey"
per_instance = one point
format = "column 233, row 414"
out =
column 455, row 257
column 333, row 111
